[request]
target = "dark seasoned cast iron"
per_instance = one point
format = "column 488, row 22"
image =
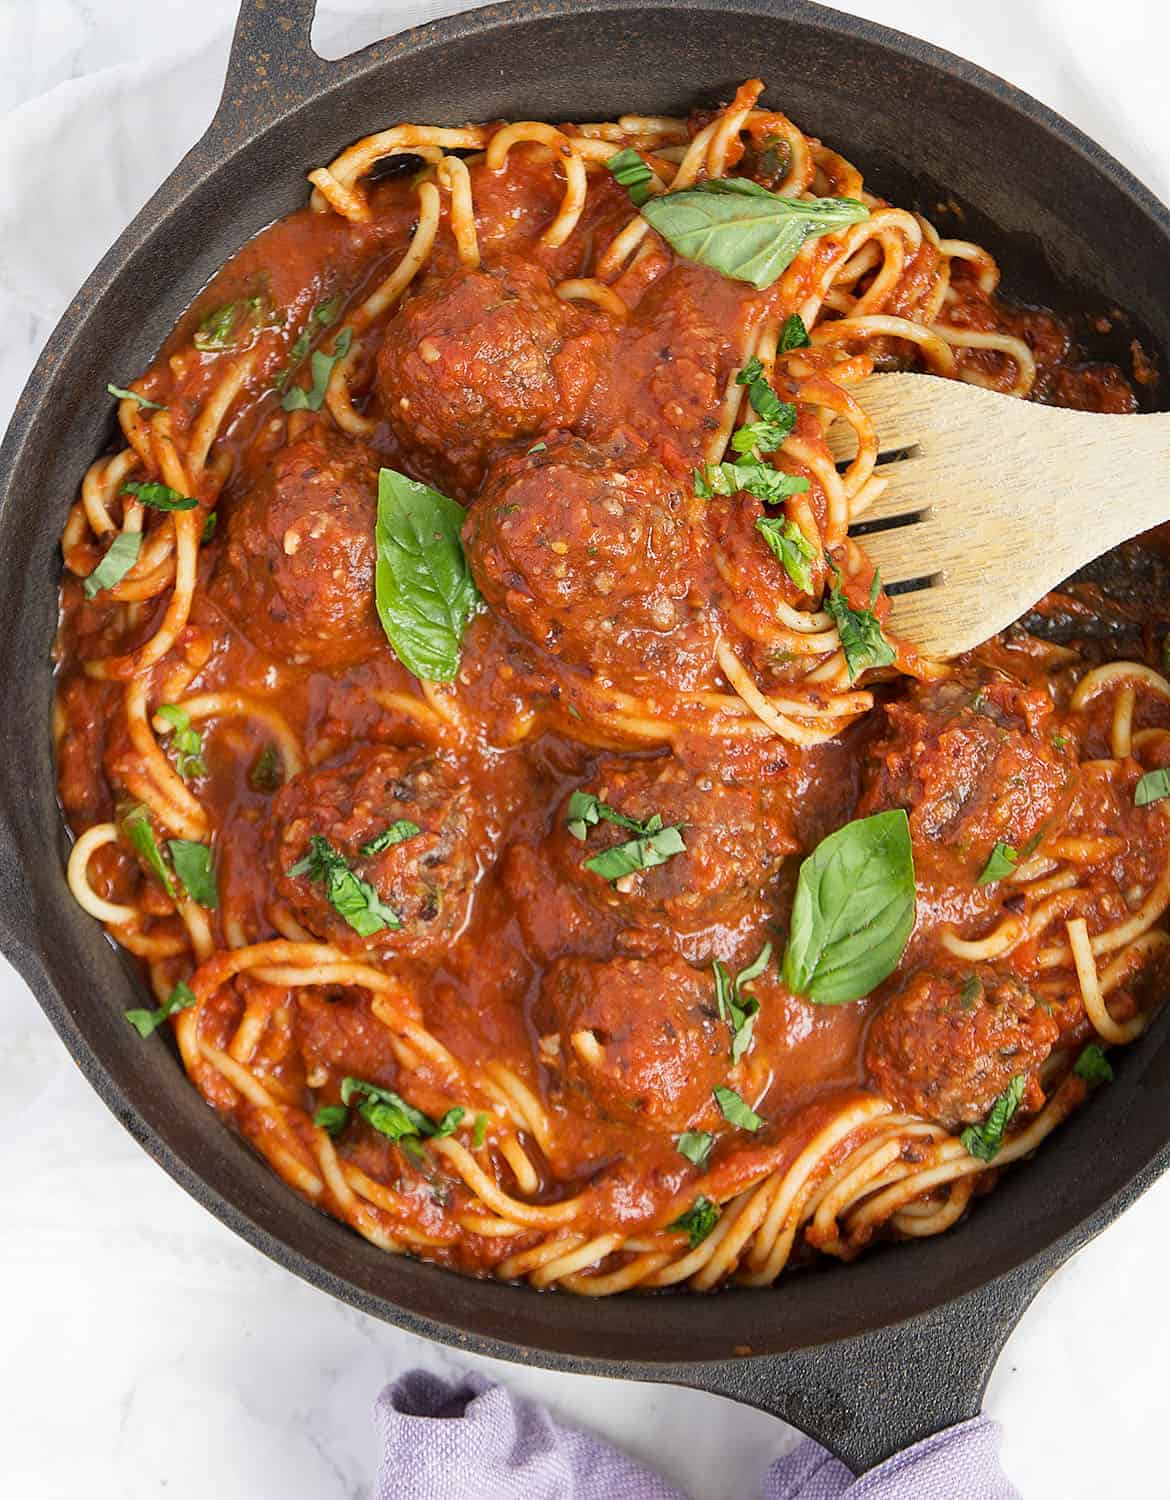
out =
column 866, row 1357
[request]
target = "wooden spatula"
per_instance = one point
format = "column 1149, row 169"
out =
column 992, row 501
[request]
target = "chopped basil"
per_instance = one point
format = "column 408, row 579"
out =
column 479, row 1134
column 160, row 496
column 1001, row 862
column 121, row 557
column 147, row 1022
column 327, row 312
column 984, row 1141
column 450, row 1122
column 143, row 401
column 860, row 630
column 632, row 173
column 1152, row 787
column 698, row 1221
column 734, row 1110
column 1093, row 1066
column 585, row 811
column 136, row 826
column 778, row 417
column 695, row 1145
column 355, row 900
column 791, row 548
column 300, row 347
column 215, row 332
column 736, row 1007
column 654, row 846
column 209, row 526
column 192, row 863
column 743, row 231
column 537, row 448
column 853, row 911
column 752, row 476
column 388, row 1112
column 793, row 334
column 424, row 588
column 332, row 1118
column 971, row 993
column 296, row 398
column 267, row 771
column 395, row 834
column 187, row 743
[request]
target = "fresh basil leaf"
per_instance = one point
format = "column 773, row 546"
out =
column 192, row 863
column 119, row 559
column 187, row 743
column 327, row 312
column 354, row 899
column 537, row 448
column 1093, row 1066
column 642, row 853
column 764, row 400
column 1001, row 862
column 632, row 173
column 791, row 548
column 860, row 630
column 215, row 332
column 395, row 834
column 136, row 826
column 296, row 398
column 297, row 352
column 425, row 591
column 735, row 1006
column 1152, row 787
column 267, row 771
column 147, row 1022
column 585, row 811
column 143, row 401
column 450, row 1122
column 734, row 1110
column 753, row 477
column 793, row 334
column 971, row 992
column 698, row 1221
column 385, row 1110
column 332, row 1118
column 160, row 496
column 854, row 910
column 743, row 231
column 984, row 1141
column 695, row 1145
column 479, row 1134
column 209, row 526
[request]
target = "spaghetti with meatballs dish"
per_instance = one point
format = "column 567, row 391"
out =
column 477, row 712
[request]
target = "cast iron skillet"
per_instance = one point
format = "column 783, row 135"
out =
column 866, row 1357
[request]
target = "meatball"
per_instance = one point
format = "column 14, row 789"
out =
column 297, row 574
column 590, row 553
column 367, row 810
column 736, row 837
column 974, row 764
column 951, row 1040
column 479, row 358
column 640, row 1037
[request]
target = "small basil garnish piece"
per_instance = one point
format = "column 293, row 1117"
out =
column 631, row 172
column 791, row 549
column 424, row 588
column 389, row 1114
column 860, row 630
column 854, row 910
column 332, row 1118
column 187, row 743
column 698, row 1221
column 147, row 1022
column 119, row 559
column 735, row 1006
column 192, row 864
column 160, row 496
column 1001, row 862
column 352, row 898
column 793, row 334
column 125, row 395
column 479, row 1134
column 395, row 834
column 267, row 771
column 1151, row 787
column 653, row 846
column 1093, row 1066
column 734, row 1110
column 695, row 1145
column 135, row 821
column 752, row 476
column 296, row 398
column 735, row 227
column 984, row 1141
column 585, row 811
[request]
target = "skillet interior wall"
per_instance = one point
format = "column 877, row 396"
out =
column 886, row 114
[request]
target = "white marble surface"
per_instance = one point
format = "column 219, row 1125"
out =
column 146, row 1351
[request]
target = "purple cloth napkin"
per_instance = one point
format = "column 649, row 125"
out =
column 471, row 1440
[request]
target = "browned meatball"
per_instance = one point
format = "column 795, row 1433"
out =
column 297, row 575
column 736, row 837
column 479, row 358
column 640, row 1037
column 949, row 1043
column 424, row 879
column 588, row 552
column 974, row 764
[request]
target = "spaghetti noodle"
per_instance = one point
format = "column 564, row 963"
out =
column 485, row 962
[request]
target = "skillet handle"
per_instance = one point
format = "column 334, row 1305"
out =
column 272, row 68
column 869, row 1397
